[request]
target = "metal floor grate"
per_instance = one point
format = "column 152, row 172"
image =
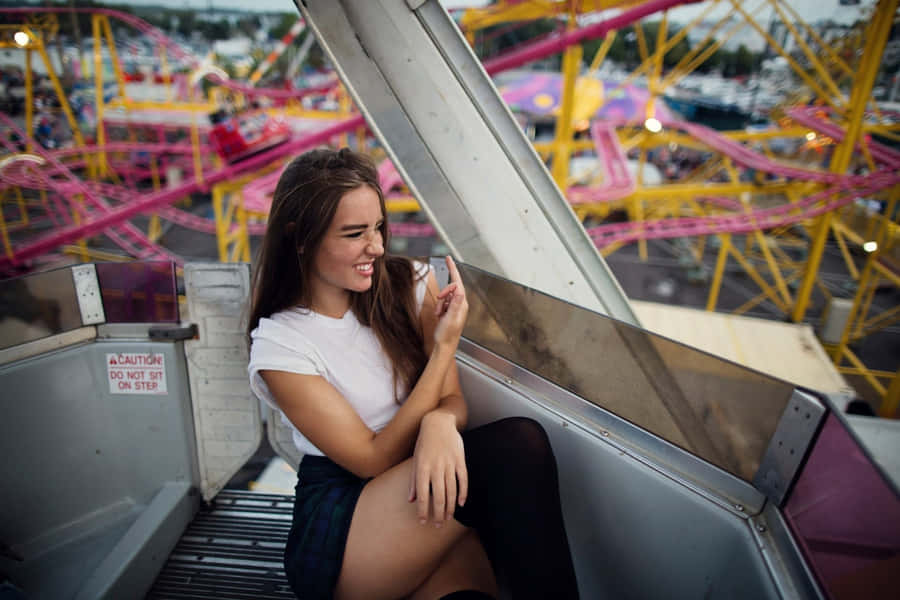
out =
column 232, row 550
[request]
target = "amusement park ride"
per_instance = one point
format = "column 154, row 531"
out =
column 767, row 199
column 747, row 453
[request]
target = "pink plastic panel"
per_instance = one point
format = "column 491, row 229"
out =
column 138, row 292
column 846, row 518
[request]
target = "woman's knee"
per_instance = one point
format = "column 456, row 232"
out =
column 522, row 437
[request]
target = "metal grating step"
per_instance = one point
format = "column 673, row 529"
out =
column 232, row 550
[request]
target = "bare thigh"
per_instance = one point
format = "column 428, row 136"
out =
column 389, row 553
column 464, row 567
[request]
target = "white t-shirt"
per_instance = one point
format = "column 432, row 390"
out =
column 342, row 351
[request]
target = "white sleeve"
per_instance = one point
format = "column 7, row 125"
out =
column 421, row 271
column 275, row 347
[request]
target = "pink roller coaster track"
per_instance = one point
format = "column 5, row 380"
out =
column 807, row 115
column 100, row 216
column 104, row 218
column 842, row 190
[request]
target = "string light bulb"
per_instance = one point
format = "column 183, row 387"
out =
column 653, row 125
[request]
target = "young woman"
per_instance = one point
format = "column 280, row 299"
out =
column 356, row 349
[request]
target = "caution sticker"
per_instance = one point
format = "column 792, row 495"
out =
column 136, row 373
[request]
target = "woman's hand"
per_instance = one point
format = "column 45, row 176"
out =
column 451, row 309
column 439, row 479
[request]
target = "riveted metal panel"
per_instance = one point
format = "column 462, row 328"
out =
column 227, row 418
column 87, row 290
column 787, row 448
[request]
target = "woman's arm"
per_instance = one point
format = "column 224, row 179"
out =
column 439, row 480
column 451, row 401
column 325, row 417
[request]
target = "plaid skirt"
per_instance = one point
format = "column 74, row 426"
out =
column 326, row 496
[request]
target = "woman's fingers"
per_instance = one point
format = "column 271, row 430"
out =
column 439, row 497
column 454, row 273
column 422, row 494
column 448, row 289
column 455, row 282
column 450, row 485
column 462, row 476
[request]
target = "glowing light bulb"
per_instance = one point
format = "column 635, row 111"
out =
column 870, row 246
column 810, row 136
column 21, row 38
column 653, row 125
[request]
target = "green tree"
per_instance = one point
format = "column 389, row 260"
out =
column 187, row 22
column 249, row 26
column 215, row 30
column 500, row 38
column 744, row 61
column 284, row 25
column 625, row 50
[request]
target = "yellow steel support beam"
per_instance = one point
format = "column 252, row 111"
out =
column 823, row 73
column 641, row 40
column 845, row 252
column 154, row 173
column 763, row 243
column 29, row 100
column 402, row 205
column 94, row 254
column 98, row 96
column 700, row 52
column 891, row 398
column 149, row 105
column 3, row 233
column 878, row 322
column 756, row 277
column 23, row 209
column 344, row 106
column 861, row 369
column 672, row 42
column 113, row 55
column 636, row 204
column 799, row 70
column 759, row 298
column 240, row 249
column 876, row 39
column 195, row 142
column 154, row 229
column 832, row 55
column 601, row 53
column 223, row 221
column 654, row 80
column 712, row 189
column 61, row 95
column 713, row 298
column 563, row 139
column 166, row 73
column 868, row 282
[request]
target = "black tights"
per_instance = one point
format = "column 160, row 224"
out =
column 513, row 504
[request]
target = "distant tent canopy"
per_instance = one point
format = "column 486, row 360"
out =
column 539, row 94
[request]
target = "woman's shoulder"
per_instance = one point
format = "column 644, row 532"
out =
column 282, row 324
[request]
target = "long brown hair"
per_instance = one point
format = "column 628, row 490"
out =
column 303, row 206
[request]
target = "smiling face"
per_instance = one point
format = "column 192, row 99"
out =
column 344, row 261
